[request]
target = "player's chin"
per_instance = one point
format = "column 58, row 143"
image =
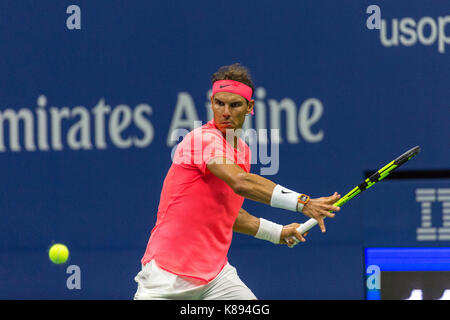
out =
column 227, row 128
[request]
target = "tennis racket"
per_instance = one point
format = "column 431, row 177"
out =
column 366, row 184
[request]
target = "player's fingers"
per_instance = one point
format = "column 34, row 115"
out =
column 329, row 214
column 326, row 210
column 291, row 241
column 321, row 224
column 334, row 208
column 299, row 236
column 295, row 225
column 333, row 198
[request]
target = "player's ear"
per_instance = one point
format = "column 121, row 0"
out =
column 250, row 106
column 212, row 103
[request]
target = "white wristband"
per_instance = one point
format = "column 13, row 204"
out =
column 285, row 199
column 269, row 231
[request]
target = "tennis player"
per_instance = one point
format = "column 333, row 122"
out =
column 201, row 204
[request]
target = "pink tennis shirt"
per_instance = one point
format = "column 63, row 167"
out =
column 197, row 210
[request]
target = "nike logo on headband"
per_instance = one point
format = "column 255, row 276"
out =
column 227, row 85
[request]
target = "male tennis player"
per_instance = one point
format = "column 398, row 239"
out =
column 201, row 199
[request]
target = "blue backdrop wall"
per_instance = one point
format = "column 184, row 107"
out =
column 86, row 117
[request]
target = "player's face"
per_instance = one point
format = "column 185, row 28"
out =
column 230, row 110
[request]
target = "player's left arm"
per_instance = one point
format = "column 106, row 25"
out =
column 248, row 224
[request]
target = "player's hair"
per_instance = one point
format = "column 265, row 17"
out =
column 236, row 72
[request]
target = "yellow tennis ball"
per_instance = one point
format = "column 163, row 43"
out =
column 58, row 253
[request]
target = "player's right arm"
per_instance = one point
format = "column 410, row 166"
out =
column 257, row 188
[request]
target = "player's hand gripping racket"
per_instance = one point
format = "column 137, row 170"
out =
column 366, row 184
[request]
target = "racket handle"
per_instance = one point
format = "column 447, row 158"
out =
column 304, row 227
column 307, row 225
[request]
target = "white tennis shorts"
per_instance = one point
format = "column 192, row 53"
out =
column 156, row 283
